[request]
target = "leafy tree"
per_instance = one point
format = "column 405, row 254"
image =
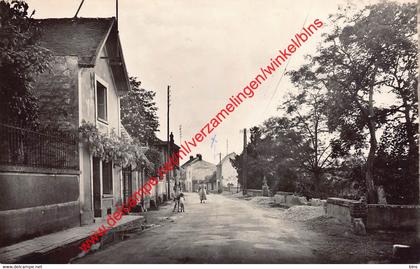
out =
column 21, row 60
column 393, row 165
column 279, row 148
column 154, row 157
column 254, row 171
column 138, row 113
column 269, row 154
column 399, row 66
column 354, row 64
column 315, row 152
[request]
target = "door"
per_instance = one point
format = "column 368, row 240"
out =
column 127, row 183
column 96, row 172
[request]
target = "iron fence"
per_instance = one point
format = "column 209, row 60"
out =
column 33, row 148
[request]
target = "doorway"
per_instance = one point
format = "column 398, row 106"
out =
column 96, row 172
column 127, row 183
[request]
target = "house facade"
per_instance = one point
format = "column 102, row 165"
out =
column 163, row 188
column 226, row 174
column 87, row 81
column 134, row 177
column 59, row 186
column 195, row 172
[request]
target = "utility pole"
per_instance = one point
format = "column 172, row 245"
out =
column 168, row 176
column 116, row 12
column 244, row 166
column 142, row 184
column 180, row 134
column 227, row 146
column 220, row 186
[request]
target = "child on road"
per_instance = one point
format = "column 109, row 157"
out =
column 182, row 202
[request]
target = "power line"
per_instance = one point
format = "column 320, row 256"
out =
column 284, row 71
column 78, row 9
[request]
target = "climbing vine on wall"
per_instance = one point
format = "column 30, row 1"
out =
column 111, row 147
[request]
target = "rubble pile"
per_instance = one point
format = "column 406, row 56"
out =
column 303, row 212
column 261, row 200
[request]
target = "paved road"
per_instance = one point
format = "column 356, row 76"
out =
column 224, row 230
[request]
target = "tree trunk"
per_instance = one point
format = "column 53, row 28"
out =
column 317, row 183
column 372, row 197
column 370, row 185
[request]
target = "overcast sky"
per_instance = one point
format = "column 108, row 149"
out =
column 206, row 51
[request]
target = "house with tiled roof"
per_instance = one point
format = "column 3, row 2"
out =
column 226, row 174
column 167, row 181
column 196, row 172
column 87, row 79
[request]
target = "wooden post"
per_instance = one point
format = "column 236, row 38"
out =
column 168, row 153
column 244, row 166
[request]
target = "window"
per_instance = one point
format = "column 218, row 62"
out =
column 107, row 177
column 101, row 104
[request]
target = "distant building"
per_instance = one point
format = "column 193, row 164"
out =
column 195, row 172
column 160, row 191
column 226, row 174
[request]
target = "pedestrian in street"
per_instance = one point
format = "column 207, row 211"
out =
column 177, row 190
column 182, row 202
column 202, row 193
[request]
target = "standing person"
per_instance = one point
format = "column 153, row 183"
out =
column 202, row 193
column 177, row 190
column 182, row 202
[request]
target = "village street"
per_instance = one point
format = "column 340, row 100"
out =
column 224, row 230
column 113, row 110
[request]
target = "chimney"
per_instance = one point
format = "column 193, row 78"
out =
column 200, row 158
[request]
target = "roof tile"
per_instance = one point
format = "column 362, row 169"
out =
column 74, row 36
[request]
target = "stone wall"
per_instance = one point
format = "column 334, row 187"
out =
column 317, row 202
column 289, row 199
column 254, row 192
column 346, row 210
column 37, row 201
column 375, row 216
column 391, row 217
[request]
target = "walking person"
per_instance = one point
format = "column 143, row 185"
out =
column 177, row 190
column 202, row 193
column 182, row 202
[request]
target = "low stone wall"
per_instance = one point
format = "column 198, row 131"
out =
column 254, row 192
column 346, row 210
column 289, row 199
column 295, row 200
column 33, row 203
column 279, row 198
column 317, row 202
column 375, row 216
column 392, row 217
column 285, row 193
